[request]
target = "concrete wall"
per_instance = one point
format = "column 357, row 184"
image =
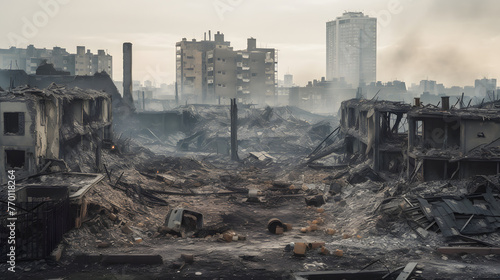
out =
column 470, row 130
column 24, row 142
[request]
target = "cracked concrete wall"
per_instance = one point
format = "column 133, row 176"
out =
column 24, row 142
column 473, row 132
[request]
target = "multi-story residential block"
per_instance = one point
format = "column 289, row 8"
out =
column 81, row 63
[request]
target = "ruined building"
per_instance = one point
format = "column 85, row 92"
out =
column 426, row 142
column 209, row 70
column 40, row 126
column 80, row 63
column 375, row 130
column 449, row 143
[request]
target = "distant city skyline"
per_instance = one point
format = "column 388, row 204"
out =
column 452, row 42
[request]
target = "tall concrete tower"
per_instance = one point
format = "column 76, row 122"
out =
column 127, row 74
column 351, row 48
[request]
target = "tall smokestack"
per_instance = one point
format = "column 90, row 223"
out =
column 445, row 103
column 127, row 74
column 209, row 35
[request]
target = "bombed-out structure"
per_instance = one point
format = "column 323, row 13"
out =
column 447, row 143
column 429, row 143
column 375, row 129
column 40, row 125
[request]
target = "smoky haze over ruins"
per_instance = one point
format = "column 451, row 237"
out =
column 237, row 139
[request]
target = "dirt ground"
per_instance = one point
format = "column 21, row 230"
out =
column 216, row 187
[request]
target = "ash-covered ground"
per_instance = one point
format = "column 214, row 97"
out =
column 362, row 223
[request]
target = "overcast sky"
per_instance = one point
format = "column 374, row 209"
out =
column 451, row 41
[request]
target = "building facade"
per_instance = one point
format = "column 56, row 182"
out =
column 82, row 63
column 208, row 71
column 351, row 48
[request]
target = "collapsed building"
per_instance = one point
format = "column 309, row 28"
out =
column 428, row 142
column 374, row 130
column 40, row 126
column 446, row 143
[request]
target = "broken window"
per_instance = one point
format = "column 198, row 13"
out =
column 13, row 123
column 14, row 158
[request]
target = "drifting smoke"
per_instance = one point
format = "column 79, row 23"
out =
column 453, row 42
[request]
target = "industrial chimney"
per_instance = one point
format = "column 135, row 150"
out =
column 127, row 74
column 445, row 103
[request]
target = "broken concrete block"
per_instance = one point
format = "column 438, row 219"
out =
column 235, row 237
column 112, row 217
column 330, row 231
column 316, row 200
column 227, row 237
column 125, row 229
column 324, row 251
column 338, row 253
column 279, row 230
column 299, row 249
column 187, row 258
column 316, row 245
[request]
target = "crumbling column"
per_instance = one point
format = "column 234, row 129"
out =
column 127, row 74
column 234, row 130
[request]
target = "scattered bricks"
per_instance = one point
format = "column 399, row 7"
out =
column 103, row 244
column 324, row 251
column 359, row 236
column 304, row 187
column 140, row 224
column 320, row 210
column 316, row 245
column 315, row 222
column 138, row 240
column 125, row 229
column 227, row 237
column 331, row 231
column 303, row 230
column 338, row 253
column 279, row 230
column 187, row 258
column 299, row 249
column 346, row 236
column 288, row 227
column 313, row 227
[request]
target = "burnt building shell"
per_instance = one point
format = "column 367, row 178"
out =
column 453, row 144
column 375, row 129
column 38, row 124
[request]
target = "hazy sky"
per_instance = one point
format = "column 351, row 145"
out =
column 451, row 41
